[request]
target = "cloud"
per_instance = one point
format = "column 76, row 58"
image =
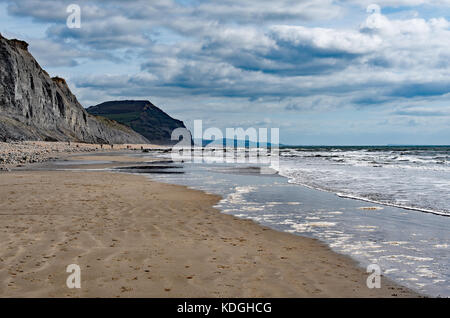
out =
column 106, row 35
column 326, row 42
column 60, row 54
column 398, row 3
column 284, row 57
column 421, row 89
column 420, row 113
column 267, row 10
column 297, row 61
column 40, row 11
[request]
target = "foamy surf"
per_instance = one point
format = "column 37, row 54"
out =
column 411, row 178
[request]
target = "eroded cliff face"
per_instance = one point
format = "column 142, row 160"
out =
column 34, row 106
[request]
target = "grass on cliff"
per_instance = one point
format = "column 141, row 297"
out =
column 124, row 118
column 112, row 123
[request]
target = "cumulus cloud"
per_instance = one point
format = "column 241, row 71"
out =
column 268, row 10
column 398, row 3
column 367, row 66
column 284, row 56
column 391, row 57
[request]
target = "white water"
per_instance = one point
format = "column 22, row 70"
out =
column 414, row 178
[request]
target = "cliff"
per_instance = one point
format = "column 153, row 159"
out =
column 142, row 116
column 34, row 106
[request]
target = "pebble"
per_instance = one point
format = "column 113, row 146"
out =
column 17, row 153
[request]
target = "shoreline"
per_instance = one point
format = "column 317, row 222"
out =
column 200, row 253
column 356, row 198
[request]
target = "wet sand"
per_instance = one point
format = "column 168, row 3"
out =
column 133, row 237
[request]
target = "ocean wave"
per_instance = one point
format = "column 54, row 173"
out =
column 412, row 180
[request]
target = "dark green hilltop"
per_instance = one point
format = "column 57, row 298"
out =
column 141, row 116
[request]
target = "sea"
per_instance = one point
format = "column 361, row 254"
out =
column 413, row 177
column 383, row 205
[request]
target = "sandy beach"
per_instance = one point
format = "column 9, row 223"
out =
column 133, row 237
column 20, row 153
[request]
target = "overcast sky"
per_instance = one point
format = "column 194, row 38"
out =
column 323, row 71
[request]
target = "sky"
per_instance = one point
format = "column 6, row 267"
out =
column 325, row 72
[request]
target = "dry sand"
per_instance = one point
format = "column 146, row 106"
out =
column 136, row 238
